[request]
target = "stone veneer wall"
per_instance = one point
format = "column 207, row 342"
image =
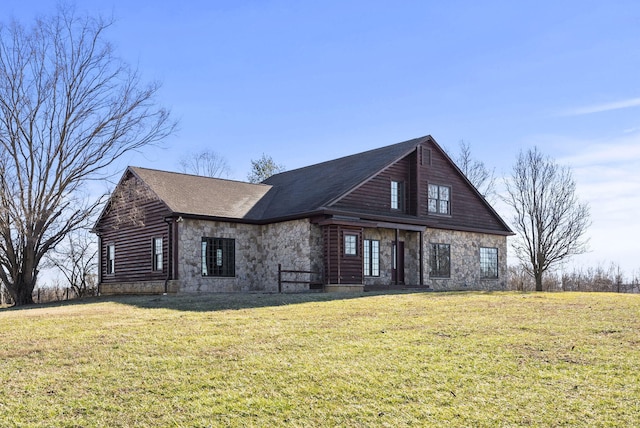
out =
column 297, row 245
column 465, row 260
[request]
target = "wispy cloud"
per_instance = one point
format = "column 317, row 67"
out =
column 598, row 108
column 608, row 178
column 622, row 152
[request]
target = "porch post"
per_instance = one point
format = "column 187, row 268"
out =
column 175, row 241
column 397, row 256
column 421, row 258
column 340, row 253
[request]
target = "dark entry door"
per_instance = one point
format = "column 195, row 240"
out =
column 397, row 271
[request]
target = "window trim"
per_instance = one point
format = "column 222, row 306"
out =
column 111, row 259
column 218, row 257
column 438, row 199
column 371, row 257
column 157, row 257
column 435, row 256
column 397, row 195
column 350, row 248
column 489, row 258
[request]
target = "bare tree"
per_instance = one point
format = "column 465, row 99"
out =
column 4, row 295
column 478, row 174
column 76, row 259
column 69, row 108
column 263, row 168
column 549, row 218
column 206, row 163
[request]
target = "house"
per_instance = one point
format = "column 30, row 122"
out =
column 398, row 216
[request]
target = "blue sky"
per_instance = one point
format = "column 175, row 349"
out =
column 308, row 81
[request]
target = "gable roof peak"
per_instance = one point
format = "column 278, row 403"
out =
column 403, row 147
column 312, row 187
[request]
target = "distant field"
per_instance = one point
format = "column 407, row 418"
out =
column 407, row 359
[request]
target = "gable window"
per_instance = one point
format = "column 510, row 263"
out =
column 371, row 257
column 488, row 263
column 157, row 254
column 218, row 257
column 439, row 199
column 111, row 259
column 350, row 245
column 440, row 261
column 397, row 195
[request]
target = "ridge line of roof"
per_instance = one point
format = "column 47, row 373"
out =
column 416, row 140
column 162, row 171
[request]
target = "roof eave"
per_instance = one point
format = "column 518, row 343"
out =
column 324, row 211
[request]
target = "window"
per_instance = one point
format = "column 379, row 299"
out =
column 218, row 257
column 157, row 254
column 439, row 199
column 440, row 260
column 111, row 259
column 371, row 257
column 397, row 195
column 350, row 245
column 488, row 262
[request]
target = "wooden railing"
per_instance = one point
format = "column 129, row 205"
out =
column 313, row 285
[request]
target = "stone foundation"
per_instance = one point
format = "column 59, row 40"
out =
column 343, row 288
column 139, row 287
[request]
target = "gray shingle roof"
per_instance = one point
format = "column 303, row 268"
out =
column 313, row 187
column 215, row 197
column 291, row 193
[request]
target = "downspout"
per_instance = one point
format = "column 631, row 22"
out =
column 397, row 256
column 169, row 221
column 421, row 258
column 340, row 254
column 99, row 263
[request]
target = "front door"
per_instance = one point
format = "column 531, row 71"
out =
column 397, row 263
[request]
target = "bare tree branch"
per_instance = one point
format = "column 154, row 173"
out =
column 206, row 163
column 548, row 216
column 69, row 108
column 479, row 175
column 77, row 261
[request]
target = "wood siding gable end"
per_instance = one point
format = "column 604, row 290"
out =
column 336, row 201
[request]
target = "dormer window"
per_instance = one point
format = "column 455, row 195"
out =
column 397, row 195
column 439, row 199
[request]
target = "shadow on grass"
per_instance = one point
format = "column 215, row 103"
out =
column 209, row 302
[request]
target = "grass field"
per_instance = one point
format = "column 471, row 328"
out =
column 406, row 359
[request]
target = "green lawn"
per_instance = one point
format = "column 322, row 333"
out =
column 407, row 359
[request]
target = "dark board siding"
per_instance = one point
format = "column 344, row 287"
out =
column 341, row 268
column 133, row 240
column 422, row 167
column 375, row 194
column 467, row 208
